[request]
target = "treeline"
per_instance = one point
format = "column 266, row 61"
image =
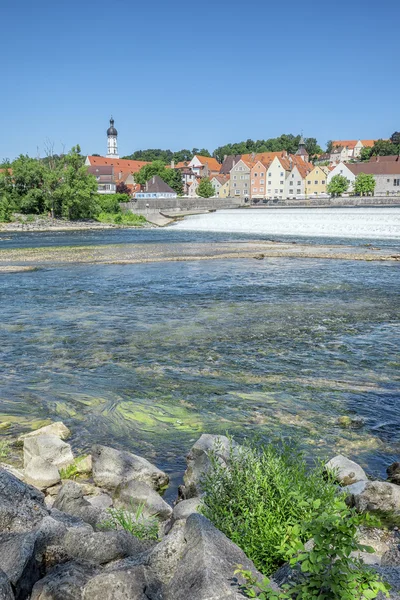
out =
column 288, row 142
column 58, row 185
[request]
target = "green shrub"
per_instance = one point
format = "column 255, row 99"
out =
column 109, row 203
column 127, row 218
column 132, row 521
column 327, row 571
column 264, row 491
column 4, row 449
column 6, row 209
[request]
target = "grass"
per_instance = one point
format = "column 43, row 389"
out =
column 69, row 472
column 121, row 218
column 264, row 491
column 132, row 521
column 4, row 449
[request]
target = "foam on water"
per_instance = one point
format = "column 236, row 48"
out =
column 364, row 223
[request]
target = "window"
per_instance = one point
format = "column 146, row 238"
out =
column 252, row 181
column 245, row 185
column 261, row 189
column 269, row 174
column 396, row 182
column 291, row 183
column 281, row 191
column 234, row 185
column 323, row 182
column 308, row 182
column 281, row 182
column 237, row 192
column 255, row 174
column 315, row 182
column 299, row 183
column 292, row 175
column 281, row 174
column 234, row 177
column 290, row 191
column 276, row 191
column 298, row 191
column 254, row 189
column 261, row 181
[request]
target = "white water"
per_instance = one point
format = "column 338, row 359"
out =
column 365, row 223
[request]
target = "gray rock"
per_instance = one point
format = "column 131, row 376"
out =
column 185, row 508
column 21, row 505
column 124, row 584
column 41, row 473
column 102, row 501
column 58, row 429
column 390, row 575
column 101, row 547
column 391, row 558
column 70, row 500
column 346, row 471
column 84, row 464
column 377, row 496
column 205, row 571
column 393, row 472
column 64, row 582
column 48, row 447
column 132, row 494
column 162, row 561
column 113, row 467
column 13, row 470
column 70, row 521
column 6, row 592
column 198, row 461
column 18, row 561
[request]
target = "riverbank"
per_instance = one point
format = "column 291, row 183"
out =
column 152, row 253
column 40, row 223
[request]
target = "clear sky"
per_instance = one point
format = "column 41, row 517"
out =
column 196, row 74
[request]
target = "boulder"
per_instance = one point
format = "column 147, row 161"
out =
column 64, row 582
column 346, row 471
column 206, row 568
column 18, row 561
column 58, row 429
column 48, row 447
column 13, row 470
column 70, row 500
column 102, row 501
column 113, row 467
column 127, row 583
column 393, row 473
column 101, row 547
column 391, row 558
column 6, row 592
column 390, row 575
column 132, row 494
column 41, row 473
column 185, row 508
column 198, row 461
column 84, row 464
column 162, row 561
column 376, row 496
column 21, row 506
column 70, row 521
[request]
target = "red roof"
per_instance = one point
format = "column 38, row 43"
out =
column 119, row 164
column 211, row 163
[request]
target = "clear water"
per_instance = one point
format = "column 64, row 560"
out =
column 147, row 357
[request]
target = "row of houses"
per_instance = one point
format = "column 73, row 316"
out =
column 385, row 170
column 346, row 150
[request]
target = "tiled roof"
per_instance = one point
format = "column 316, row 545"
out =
column 158, row 185
column 387, row 167
column 345, row 143
column 228, row 163
column 368, row 143
column 121, row 164
column 211, row 163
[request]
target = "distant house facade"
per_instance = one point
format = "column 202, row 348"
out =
column 276, row 177
column 386, row 172
column 345, row 150
column 204, row 166
column 156, row 188
column 294, row 183
column 218, row 182
column 316, row 181
column 344, row 170
column 240, row 180
column 258, row 179
column 105, row 178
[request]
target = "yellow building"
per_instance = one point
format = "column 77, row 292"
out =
column 316, row 181
column 224, row 190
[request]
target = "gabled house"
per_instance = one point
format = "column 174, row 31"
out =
column 276, row 177
column 258, row 179
column 229, row 162
column 124, row 170
column 386, row 174
column 224, row 190
column 105, row 178
column 342, row 169
column 240, row 180
column 204, row 166
column 345, row 150
column 218, row 181
column 192, row 188
column 316, row 181
column 156, row 188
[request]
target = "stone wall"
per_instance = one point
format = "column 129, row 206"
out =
column 180, row 204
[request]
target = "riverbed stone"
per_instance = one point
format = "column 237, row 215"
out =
column 64, row 582
column 393, row 472
column 70, row 500
column 6, row 592
column 50, row 448
column 18, row 561
column 112, row 467
column 58, row 428
column 21, row 506
column 185, row 508
column 206, row 568
column 132, row 494
column 101, row 547
column 347, row 422
column 127, row 583
column 13, row 470
column 376, row 496
column 346, row 471
column 199, row 461
column 41, row 473
column 102, row 501
column 162, row 561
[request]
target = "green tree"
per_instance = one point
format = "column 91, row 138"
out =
column 385, row 148
column 28, row 176
column 364, row 184
column 338, row 185
column 6, row 208
column 205, row 189
column 313, row 147
column 365, row 154
column 395, row 138
column 329, row 146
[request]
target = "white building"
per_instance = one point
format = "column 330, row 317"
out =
column 112, row 143
column 342, row 169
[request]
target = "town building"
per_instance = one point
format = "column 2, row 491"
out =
column 204, row 166
column 156, row 188
column 316, row 181
column 192, row 188
column 258, row 179
column 302, row 152
column 386, row 172
column 345, row 150
column 240, row 180
column 344, row 170
column 105, row 178
column 218, row 182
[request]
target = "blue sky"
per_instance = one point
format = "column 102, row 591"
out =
column 201, row 74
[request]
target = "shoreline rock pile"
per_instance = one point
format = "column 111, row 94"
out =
column 56, row 541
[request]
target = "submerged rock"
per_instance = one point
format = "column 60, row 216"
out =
column 346, row 471
column 351, row 422
column 132, row 494
column 112, row 467
column 48, row 447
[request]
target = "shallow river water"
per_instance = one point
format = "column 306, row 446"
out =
column 146, row 357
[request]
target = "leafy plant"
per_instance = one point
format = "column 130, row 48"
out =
column 4, row 449
column 144, row 528
column 262, row 492
column 364, row 184
column 69, row 472
column 338, row 185
column 329, row 570
column 121, row 218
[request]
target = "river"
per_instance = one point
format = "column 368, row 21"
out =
column 146, row 357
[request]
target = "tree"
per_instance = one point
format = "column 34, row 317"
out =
column 365, row 154
column 313, row 147
column 385, row 148
column 329, row 146
column 205, row 189
column 364, row 184
column 338, row 185
column 395, row 138
column 122, row 188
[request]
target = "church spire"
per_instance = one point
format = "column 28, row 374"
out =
column 112, row 143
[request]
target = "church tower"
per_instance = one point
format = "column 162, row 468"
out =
column 112, row 144
column 302, row 150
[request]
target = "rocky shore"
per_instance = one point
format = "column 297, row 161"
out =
column 41, row 223
column 97, row 527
